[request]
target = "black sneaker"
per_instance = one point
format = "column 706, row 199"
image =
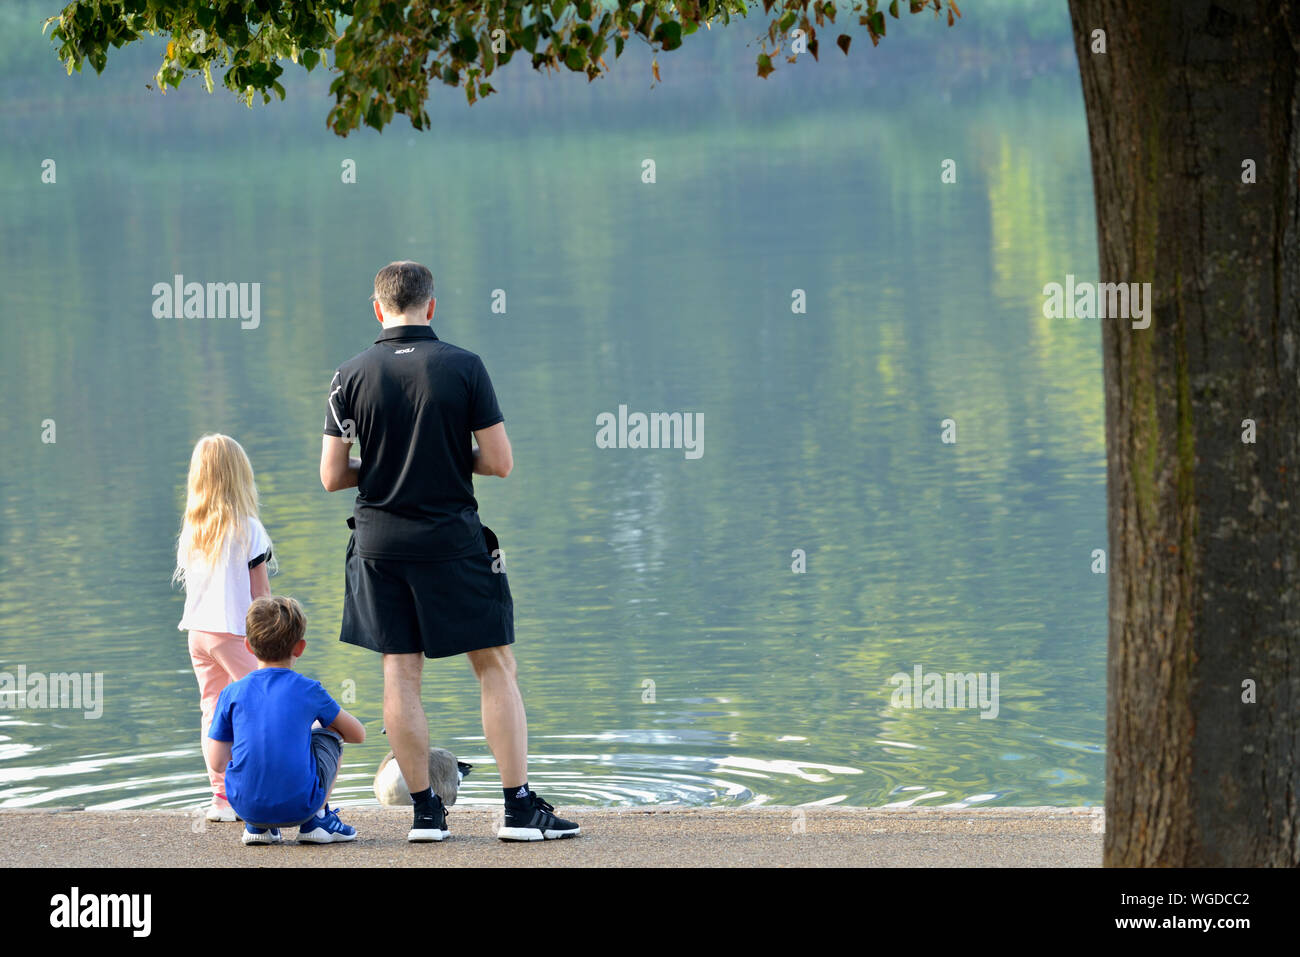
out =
column 430, row 823
column 533, row 820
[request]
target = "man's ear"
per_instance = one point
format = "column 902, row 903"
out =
column 299, row 648
column 429, row 315
column 249, row 646
column 379, row 312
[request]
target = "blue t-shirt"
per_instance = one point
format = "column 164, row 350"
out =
column 267, row 715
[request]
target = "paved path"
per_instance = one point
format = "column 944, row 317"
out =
column 675, row 837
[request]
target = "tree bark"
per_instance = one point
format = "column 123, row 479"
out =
column 1204, row 535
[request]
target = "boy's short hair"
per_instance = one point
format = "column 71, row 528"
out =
column 274, row 625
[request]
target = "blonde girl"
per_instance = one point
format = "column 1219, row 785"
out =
column 222, row 558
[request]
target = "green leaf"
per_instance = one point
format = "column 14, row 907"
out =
column 668, row 33
column 466, row 48
column 309, row 59
column 876, row 27
column 647, row 14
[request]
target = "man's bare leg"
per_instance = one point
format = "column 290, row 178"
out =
column 504, row 722
column 404, row 719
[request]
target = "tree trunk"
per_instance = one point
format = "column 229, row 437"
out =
column 1204, row 535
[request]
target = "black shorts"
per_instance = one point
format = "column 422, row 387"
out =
column 440, row 608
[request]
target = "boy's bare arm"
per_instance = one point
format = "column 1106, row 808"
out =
column 351, row 730
column 220, row 755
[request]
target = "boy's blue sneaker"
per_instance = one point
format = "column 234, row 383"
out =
column 260, row 835
column 325, row 830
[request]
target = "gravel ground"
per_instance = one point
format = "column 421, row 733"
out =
column 674, row 837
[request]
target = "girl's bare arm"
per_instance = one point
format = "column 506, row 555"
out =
column 259, row 582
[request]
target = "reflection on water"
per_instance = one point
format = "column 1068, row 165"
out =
column 668, row 653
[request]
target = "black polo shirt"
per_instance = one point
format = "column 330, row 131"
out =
column 411, row 401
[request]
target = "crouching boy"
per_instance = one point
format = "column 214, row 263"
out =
column 280, row 735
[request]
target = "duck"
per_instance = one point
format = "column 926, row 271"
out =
column 445, row 775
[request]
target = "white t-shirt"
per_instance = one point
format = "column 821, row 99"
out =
column 217, row 598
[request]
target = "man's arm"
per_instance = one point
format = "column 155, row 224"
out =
column 493, row 455
column 337, row 469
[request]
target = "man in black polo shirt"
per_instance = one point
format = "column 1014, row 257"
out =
column 423, row 580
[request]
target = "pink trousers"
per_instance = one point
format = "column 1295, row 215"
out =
column 218, row 659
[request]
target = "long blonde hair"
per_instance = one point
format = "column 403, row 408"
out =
column 221, row 497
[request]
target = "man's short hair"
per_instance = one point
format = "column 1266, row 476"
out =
column 401, row 285
column 274, row 625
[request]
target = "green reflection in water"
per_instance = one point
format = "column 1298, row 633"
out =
column 822, row 430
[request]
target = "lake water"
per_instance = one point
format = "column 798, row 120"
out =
column 668, row 652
